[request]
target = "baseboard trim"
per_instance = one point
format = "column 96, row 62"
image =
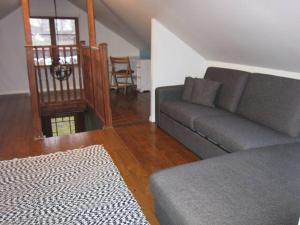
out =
column 14, row 93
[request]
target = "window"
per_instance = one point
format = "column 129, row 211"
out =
column 65, row 32
column 47, row 31
column 63, row 125
column 54, row 31
column 40, row 29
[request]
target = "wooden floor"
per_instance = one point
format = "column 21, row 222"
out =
column 130, row 109
column 137, row 146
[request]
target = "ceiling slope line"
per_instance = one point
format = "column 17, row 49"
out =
column 120, row 19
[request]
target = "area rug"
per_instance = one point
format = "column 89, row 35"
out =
column 81, row 186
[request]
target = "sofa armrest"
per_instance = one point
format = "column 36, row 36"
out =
column 166, row 93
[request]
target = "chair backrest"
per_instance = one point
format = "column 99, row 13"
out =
column 120, row 61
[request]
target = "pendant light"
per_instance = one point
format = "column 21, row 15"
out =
column 59, row 70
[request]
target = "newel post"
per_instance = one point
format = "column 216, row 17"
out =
column 36, row 119
column 105, row 84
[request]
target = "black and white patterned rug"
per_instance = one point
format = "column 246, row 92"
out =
column 81, row 186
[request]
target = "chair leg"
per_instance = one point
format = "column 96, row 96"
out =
column 131, row 79
column 125, row 89
column 132, row 83
column 116, row 81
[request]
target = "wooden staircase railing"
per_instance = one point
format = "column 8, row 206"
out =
column 101, row 84
column 88, row 83
column 95, row 70
column 52, row 90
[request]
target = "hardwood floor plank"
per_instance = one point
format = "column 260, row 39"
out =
column 137, row 147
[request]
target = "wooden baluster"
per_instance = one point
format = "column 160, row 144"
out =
column 80, row 67
column 46, row 75
column 60, row 81
column 84, row 73
column 73, row 75
column 35, row 74
column 90, row 69
column 53, row 78
column 39, row 74
column 87, row 77
column 67, row 79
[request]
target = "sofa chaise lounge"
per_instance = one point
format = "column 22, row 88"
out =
column 255, row 187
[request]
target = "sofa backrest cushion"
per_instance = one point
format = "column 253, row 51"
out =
column 272, row 101
column 205, row 92
column 188, row 89
column 233, row 84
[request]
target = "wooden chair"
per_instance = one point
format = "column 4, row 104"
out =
column 125, row 73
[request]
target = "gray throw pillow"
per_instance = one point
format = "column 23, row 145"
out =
column 188, row 89
column 205, row 92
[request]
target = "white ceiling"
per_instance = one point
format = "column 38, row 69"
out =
column 106, row 15
column 6, row 6
column 263, row 33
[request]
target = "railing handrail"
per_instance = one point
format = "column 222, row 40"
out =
column 50, row 46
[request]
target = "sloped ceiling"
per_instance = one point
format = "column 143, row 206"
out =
column 106, row 15
column 263, row 33
column 7, row 6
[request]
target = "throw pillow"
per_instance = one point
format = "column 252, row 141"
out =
column 188, row 89
column 205, row 92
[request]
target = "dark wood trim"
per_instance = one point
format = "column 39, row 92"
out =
column 52, row 31
column 53, row 17
column 77, row 31
column 63, row 107
column 36, row 119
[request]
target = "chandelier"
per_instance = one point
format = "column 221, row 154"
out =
column 59, row 69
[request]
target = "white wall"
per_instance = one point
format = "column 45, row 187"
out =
column 13, row 70
column 172, row 61
column 253, row 69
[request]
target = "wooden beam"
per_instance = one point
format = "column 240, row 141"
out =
column 91, row 23
column 36, row 119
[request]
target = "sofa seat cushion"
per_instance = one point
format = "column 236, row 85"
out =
column 249, row 187
column 235, row 133
column 186, row 113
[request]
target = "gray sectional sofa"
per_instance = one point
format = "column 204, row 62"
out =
column 252, row 111
column 257, row 120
